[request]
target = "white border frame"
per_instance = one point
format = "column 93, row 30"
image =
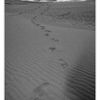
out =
column 2, row 50
column 97, row 49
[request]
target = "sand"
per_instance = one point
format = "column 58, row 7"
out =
column 39, row 55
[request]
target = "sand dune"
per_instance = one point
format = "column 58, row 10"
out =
column 40, row 58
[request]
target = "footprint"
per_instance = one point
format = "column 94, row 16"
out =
column 46, row 34
column 55, row 40
column 52, row 49
column 63, row 63
column 48, row 31
column 42, row 27
column 39, row 92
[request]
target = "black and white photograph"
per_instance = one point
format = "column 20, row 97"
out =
column 50, row 49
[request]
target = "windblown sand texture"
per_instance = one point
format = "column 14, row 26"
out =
column 50, row 51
